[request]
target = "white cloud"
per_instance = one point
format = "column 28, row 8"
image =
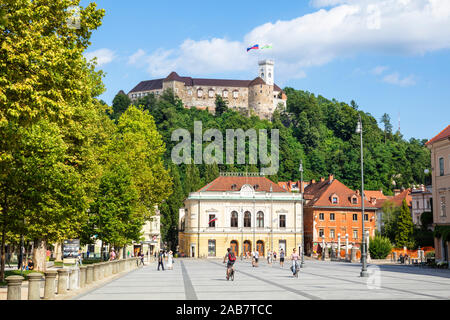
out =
column 104, row 56
column 345, row 29
column 394, row 78
column 379, row 70
column 136, row 57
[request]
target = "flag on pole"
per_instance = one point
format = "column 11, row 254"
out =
column 212, row 220
column 253, row 47
column 267, row 46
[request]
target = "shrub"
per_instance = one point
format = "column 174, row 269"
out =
column 430, row 254
column 379, row 247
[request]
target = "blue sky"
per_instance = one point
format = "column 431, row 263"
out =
column 388, row 55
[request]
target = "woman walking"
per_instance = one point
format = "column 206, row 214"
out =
column 281, row 258
column 170, row 261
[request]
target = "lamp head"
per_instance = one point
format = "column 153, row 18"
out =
column 359, row 126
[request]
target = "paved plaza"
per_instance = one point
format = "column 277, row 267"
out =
column 205, row 280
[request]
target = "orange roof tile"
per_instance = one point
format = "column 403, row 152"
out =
column 377, row 194
column 324, row 190
column 441, row 136
column 226, row 183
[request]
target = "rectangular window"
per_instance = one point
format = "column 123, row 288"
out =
column 334, row 200
column 321, row 216
column 441, row 166
column 355, row 234
column 235, row 94
column 320, row 233
column 190, row 92
column 366, row 217
column 332, row 234
column 332, row 217
column 443, row 209
column 212, row 221
column 283, row 221
column 355, row 217
column 211, row 248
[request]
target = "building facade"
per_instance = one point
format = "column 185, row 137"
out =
column 260, row 96
column 440, row 166
column 333, row 216
column 241, row 213
column 421, row 202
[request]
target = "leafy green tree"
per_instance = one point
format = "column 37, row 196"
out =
column 221, row 105
column 405, row 226
column 211, row 172
column 193, row 182
column 379, row 247
column 114, row 217
column 47, row 85
column 386, row 120
column 120, row 104
column 170, row 208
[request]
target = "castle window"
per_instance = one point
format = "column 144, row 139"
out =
column 199, row 93
column 270, row 75
column 190, row 92
column 225, row 93
column 235, row 94
column 260, row 219
column 234, row 219
column 247, row 219
column 211, row 93
column 262, row 74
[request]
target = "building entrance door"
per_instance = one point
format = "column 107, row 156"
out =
column 247, row 247
column 234, row 247
column 193, row 250
column 282, row 244
column 260, row 247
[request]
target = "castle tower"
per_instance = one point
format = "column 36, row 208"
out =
column 266, row 70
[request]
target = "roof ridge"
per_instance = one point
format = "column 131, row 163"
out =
column 433, row 139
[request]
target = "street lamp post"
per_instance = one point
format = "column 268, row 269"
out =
column 300, row 168
column 364, row 272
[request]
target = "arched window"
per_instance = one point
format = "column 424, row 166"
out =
column 211, row 93
column 247, row 219
column 199, row 93
column 225, row 93
column 234, row 219
column 260, row 219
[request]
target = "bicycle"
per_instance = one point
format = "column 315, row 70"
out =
column 230, row 274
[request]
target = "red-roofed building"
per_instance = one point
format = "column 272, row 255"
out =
column 242, row 213
column 334, row 213
column 440, row 166
column 293, row 186
column 260, row 95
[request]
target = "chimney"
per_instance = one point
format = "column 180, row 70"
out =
column 357, row 192
column 313, row 181
column 396, row 192
column 322, row 179
column 330, row 177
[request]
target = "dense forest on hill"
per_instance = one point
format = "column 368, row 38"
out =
column 317, row 130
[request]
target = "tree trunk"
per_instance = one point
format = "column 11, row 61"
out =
column 3, row 260
column 58, row 251
column 40, row 255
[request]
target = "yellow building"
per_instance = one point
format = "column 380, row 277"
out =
column 242, row 213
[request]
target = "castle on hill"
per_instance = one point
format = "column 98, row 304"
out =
column 260, row 96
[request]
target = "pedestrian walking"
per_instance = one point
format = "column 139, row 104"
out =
column 269, row 257
column 141, row 255
column 161, row 260
column 256, row 257
column 170, row 260
column 274, row 256
column 282, row 258
column 112, row 255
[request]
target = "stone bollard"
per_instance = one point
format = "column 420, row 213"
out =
column 14, row 287
column 74, row 279
column 96, row 272
column 89, row 274
column 83, row 270
column 34, row 286
column 62, row 281
column 49, row 291
column 353, row 254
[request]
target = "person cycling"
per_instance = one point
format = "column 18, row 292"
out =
column 231, row 260
column 294, row 258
